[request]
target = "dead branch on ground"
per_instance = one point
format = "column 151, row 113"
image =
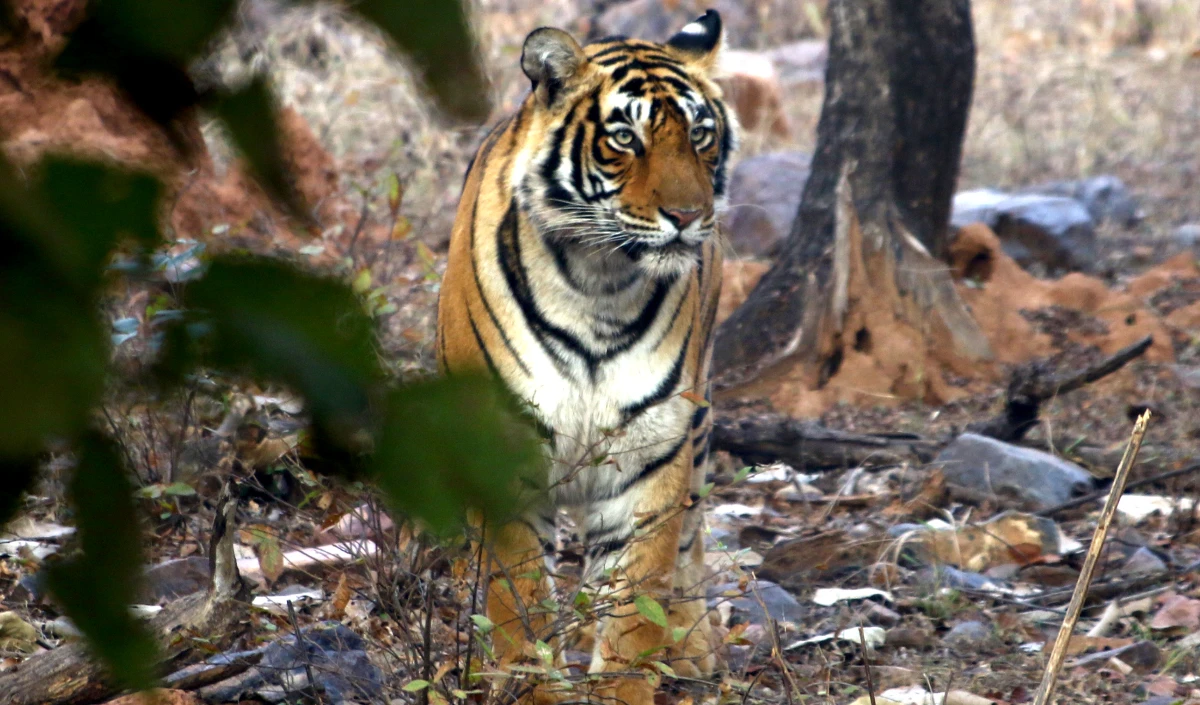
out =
column 69, row 675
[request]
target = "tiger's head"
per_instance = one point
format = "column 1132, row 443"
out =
column 632, row 145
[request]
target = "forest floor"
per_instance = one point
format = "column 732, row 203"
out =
column 955, row 592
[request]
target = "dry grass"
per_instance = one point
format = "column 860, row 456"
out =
column 1072, row 89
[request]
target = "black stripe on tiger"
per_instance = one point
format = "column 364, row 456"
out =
column 644, row 474
column 508, row 248
column 665, row 388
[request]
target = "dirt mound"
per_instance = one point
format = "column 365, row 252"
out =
column 1003, row 297
column 1022, row 317
column 40, row 113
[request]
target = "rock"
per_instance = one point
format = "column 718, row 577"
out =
column 764, row 195
column 1145, row 562
column 1056, row 233
column 973, row 635
column 336, row 656
column 1024, row 477
column 1188, row 235
column 1142, row 655
column 174, row 578
column 779, row 604
column 946, row 576
column 801, row 62
column 751, row 85
column 977, row 206
column 909, row 637
column 657, row 20
column 1052, row 233
column 748, row 25
column 881, row 615
column 1105, row 197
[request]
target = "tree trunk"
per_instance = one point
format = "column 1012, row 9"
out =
column 859, row 300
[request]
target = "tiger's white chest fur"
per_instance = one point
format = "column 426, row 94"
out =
column 603, row 370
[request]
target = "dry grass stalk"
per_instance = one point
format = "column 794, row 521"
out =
column 1059, row 652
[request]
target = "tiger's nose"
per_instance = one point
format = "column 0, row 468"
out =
column 681, row 218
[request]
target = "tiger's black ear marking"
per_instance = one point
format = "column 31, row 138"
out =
column 551, row 58
column 699, row 39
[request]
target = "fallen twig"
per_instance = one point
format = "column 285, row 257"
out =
column 1059, row 652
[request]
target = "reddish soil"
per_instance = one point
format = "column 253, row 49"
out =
column 41, row 113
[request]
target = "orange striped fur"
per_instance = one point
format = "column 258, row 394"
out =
column 584, row 272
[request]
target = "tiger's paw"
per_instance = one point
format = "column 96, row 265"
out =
column 695, row 654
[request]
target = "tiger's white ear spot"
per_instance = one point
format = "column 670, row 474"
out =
column 699, row 41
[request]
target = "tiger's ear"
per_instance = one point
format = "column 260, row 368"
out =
column 551, row 58
column 699, row 42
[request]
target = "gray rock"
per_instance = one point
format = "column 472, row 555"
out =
column 1144, row 562
column 1053, row 234
column 657, row 21
column 175, row 578
column 764, row 195
column 779, row 603
column 882, row 616
column 979, row 205
column 934, row 577
column 337, row 658
column 801, row 62
column 1023, row 477
column 968, row 635
column 897, row 530
column 1188, row 235
column 1106, row 198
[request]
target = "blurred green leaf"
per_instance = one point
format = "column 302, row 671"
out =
column 96, row 588
column 179, row 489
column 57, row 237
column 437, row 37
column 252, row 119
column 16, row 476
column 455, row 441
column 57, row 344
column 258, row 316
column 100, row 205
column 171, row 30
column 146, row 46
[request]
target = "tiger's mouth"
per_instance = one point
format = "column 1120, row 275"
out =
column 636, row 248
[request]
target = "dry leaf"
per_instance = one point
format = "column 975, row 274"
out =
column 341, row 597
column 1012, row 537
column 1177, row 612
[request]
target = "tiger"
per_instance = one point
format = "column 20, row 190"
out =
column 584, row 270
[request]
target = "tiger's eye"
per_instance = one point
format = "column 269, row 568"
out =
column 623, row 136
column 699, row 132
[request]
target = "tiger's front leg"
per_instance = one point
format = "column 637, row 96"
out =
column 637, row 557
column 518, row 583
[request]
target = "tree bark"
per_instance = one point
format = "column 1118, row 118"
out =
column 806, row 446
column 862, row 263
